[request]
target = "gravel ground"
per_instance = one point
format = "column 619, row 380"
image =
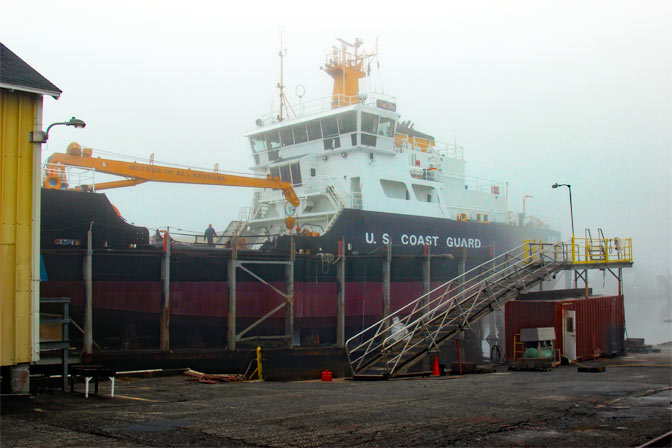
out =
column 627, row 405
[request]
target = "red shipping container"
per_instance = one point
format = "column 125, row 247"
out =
column 585, row 328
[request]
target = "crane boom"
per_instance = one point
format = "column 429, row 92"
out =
column 143, row 172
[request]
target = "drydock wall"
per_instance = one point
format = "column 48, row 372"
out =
column 18, row 112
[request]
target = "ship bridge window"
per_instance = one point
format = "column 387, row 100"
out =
column 287, row 136
column 288, row 173
column 370, row 123
column 386, row 127
column 258, row 143
column 273, row 140
column 330, row 127
column 347, row 122
column 394, row 189
column 300, row 134
column 368, row 140
column 314, row 130
column 332, row 143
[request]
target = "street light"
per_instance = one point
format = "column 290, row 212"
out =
column 571, row 212
column 42, row 137
column 524, row 199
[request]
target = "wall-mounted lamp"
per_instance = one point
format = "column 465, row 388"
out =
column 344, row 155
column 42, row 136
column 325, row 158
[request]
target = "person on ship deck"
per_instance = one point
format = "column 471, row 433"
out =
column 210, row 235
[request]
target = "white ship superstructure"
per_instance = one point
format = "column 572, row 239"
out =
column 352, row 151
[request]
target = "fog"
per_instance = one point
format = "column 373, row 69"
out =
column 535, row 92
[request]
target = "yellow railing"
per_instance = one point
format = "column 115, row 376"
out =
column 582, row 250
column 599, row 250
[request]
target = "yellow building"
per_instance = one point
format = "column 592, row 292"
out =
column 21, row 92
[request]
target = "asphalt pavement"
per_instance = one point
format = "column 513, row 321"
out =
column 627, row 405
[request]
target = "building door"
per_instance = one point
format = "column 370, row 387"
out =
column 569, row 334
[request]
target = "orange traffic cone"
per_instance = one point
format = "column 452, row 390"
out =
column 435, row 367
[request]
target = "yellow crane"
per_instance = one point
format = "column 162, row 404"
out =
column 137, row 173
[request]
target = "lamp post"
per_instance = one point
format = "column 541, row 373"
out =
column 524, row 199
column 571, row 212
column 42, row 136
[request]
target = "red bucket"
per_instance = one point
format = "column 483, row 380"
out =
column 326, row 375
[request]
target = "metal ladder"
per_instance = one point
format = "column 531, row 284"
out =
column 595, row 246
column 386, row 350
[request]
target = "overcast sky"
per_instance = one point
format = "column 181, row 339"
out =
column 536, row 92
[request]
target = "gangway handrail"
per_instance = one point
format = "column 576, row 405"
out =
column 465, row 299
column 382, row 324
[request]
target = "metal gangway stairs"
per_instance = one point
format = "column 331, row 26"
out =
column 393, row 345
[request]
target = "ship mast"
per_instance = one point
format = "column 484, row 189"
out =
column 346, row 69
column 281, row 85
column 284, row 104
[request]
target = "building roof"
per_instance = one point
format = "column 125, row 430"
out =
column 16, row 74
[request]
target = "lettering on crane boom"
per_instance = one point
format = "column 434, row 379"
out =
column 178, row 172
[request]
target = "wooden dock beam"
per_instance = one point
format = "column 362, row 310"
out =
column 165, row 295
column 289, row 298
column 88, row 299
column 387, row 268
column 340, row 298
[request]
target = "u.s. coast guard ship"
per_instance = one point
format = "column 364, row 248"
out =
column 365, row 177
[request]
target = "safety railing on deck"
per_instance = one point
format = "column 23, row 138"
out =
column 319, row 105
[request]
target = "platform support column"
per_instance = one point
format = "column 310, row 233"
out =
column 289, row 300
column 340, row 298
column 231, row 314
column 165, row 295
column 88, row 299
column 426, row 275
column 387, row 265
column 462, row 264
column 620, row 281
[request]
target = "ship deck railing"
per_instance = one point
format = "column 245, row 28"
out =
column 325, row 104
